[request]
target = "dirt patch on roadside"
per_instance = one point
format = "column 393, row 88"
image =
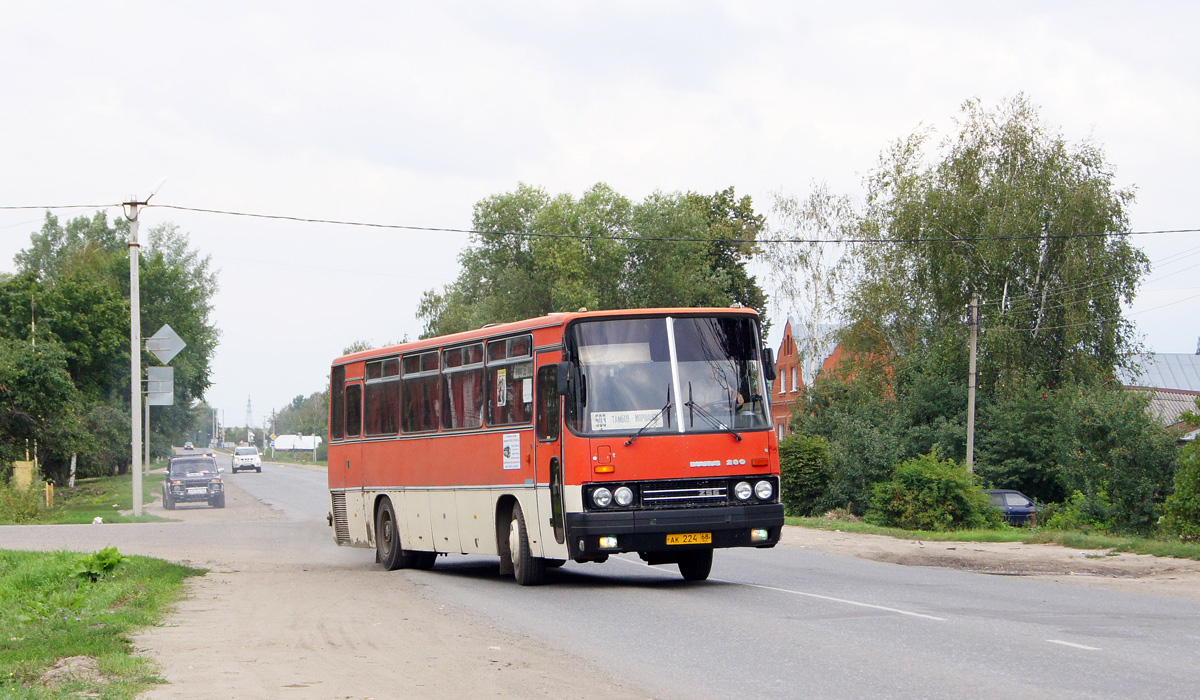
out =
column 1099, row 568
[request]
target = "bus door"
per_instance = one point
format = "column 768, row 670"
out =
column 352, row 462
column 548, row 446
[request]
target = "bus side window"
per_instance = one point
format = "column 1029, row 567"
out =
column 548, row 417
column 337, row 410
column 353, row 410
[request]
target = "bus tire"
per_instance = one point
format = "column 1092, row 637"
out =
column 696, row 564
column 423, row 560
column 527, row 569
column 387, row 539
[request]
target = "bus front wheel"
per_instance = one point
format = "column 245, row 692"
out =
column 527, row 569
column 387, row 539
column 696, row 564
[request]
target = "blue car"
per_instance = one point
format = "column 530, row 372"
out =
column 1018, row 508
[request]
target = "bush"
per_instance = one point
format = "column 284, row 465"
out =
column 18, row 505
column 1082, row 512
column 1183, row 506
column 928, row 493
column 804, row 473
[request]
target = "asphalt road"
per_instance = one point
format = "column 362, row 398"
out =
column 786, row 622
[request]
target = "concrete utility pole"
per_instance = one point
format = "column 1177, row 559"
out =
column 971, row 386
column 135, row 351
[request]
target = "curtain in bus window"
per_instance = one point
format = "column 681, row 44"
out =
column 420, row 404
column 382, row 408
column 463, row 399
column 510, row 393
column 353, row 410
column 337, row 415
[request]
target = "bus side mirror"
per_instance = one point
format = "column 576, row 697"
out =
column 564, row 377
column 768, row 358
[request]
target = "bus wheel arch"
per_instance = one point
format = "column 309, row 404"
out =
column 503, row 519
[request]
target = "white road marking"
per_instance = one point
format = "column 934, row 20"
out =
column 1073, row 644
column 818, row 596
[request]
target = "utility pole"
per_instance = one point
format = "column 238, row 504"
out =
column 971, row 380
column 135, row 351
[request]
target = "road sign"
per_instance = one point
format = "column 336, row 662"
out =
column 160, row 386
column 165, row 344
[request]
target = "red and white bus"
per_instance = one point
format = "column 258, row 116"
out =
column 567, row 437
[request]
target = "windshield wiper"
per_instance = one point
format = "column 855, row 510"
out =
column 646, row 427
column 711, row 419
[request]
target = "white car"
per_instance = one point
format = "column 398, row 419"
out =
column 246, row 458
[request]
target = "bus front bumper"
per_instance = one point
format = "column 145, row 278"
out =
column 598, row 533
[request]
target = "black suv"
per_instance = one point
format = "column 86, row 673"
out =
column 193, row 478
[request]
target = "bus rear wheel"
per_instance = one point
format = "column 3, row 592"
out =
column 387, row 539
column 527, row 569
column 695, row 565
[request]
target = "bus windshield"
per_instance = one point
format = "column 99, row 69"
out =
column 668, row 375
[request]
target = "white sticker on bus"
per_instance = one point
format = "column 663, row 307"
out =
column 512, row 450
column 625, row 420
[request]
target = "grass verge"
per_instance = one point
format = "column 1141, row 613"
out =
column 1156, row 546
column 101, row 497
column 50, row 612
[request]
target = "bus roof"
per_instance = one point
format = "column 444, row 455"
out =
column 553, row 319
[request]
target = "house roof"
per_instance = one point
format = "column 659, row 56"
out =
column 1163, row 370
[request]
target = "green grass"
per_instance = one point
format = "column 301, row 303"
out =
column 49, row 612
column 1156, row 546
column 103, row 497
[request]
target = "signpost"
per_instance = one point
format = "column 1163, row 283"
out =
column 160, row 391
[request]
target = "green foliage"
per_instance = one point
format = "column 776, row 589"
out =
column 64, row 331
column 600, row 251
column 18, row 505
column 1043, row 220
column 804, row 473
column 48, row 613
column 305, row 415
column 1183, row 505
column 1082, row 512
column 93, row 566
column 38, row 401
column 928, row 493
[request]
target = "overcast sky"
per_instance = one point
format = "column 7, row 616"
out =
column 409, row 113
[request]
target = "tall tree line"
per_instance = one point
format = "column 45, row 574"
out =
column 64, row 341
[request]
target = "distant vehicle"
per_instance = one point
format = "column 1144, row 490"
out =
column 1018, row 508
column 193, row 478
column 246, row 458
column 188, row 446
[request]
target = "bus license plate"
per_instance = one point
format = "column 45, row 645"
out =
column 690, row 538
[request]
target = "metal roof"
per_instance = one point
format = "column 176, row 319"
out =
column 1164, row 370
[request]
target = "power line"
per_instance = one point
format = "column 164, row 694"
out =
column 658, row 239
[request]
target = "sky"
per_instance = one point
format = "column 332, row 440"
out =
column 410, row 113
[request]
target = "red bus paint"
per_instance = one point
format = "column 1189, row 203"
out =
column 566, row 437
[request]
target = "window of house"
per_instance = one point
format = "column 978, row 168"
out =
column 795, row 381
column 510, row 381
column 382, row 397
column 462, row 387
column 420, row 405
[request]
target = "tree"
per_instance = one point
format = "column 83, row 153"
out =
column 39, row 404
column 536, row 254
column 807, row 270
column 1014, row 213
column 70, row 301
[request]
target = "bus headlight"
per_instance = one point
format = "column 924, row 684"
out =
column 601, row 497
column 763, row 490
column 742, row 491
column 623, row 496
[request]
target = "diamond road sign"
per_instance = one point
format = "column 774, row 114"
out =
column 165, row 344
